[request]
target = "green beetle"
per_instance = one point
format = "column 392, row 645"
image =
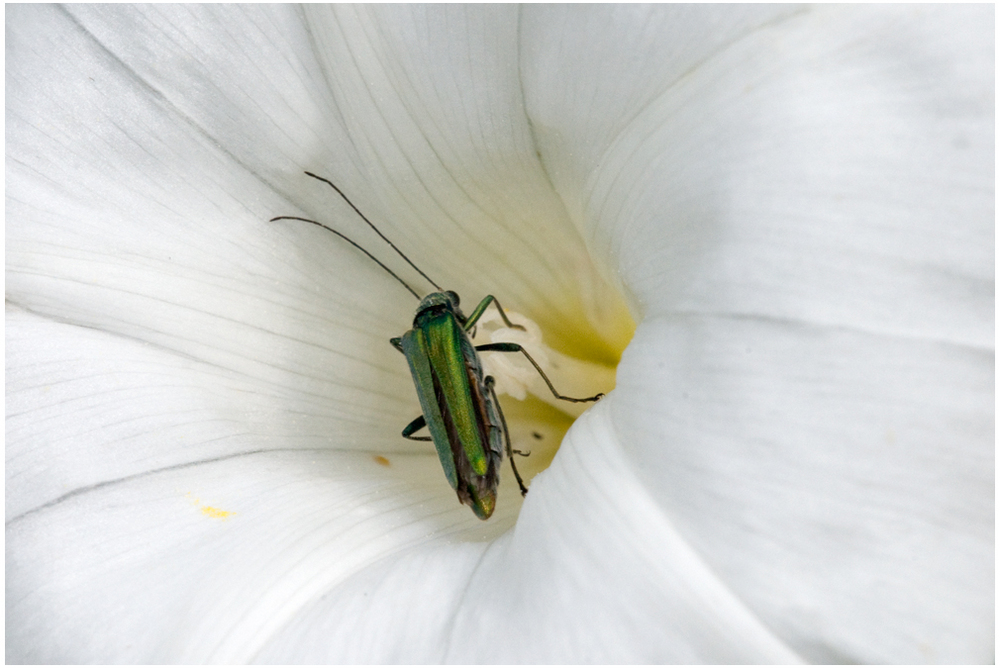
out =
column 460, row 406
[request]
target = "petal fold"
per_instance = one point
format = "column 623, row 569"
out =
column 800, row 209
column 594, row 572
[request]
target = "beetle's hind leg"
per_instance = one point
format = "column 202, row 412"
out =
column 489, row 382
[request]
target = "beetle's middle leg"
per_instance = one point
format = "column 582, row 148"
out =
column 414, row 427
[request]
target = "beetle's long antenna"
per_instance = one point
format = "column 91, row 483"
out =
column 358, row 246
column 371, row 225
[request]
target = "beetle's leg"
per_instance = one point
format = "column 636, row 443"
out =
column 414, row 427
column 418, row 423
column 478, row 312
column 516, row 348
column 488, row 381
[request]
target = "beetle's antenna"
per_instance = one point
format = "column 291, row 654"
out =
column 371, row 225
column 358, row 246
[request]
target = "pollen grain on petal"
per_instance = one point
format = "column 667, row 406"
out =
column 210, row 511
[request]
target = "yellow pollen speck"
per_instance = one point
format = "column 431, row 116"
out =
column 210, row 511
column 216, row 512
column 379, row 459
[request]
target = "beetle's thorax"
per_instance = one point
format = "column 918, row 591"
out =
column 437, row 303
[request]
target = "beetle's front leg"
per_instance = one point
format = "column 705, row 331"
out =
column 478, row 312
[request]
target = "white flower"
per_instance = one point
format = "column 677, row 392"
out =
column 796, row 203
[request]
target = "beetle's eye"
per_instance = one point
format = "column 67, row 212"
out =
column 454, row 296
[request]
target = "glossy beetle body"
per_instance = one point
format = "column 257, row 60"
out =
column 459, row 404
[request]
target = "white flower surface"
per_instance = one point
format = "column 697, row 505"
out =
column 794, row 204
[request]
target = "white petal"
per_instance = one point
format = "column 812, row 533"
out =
column 802, row 211
column 124, row 463
column 173, row 354
column 171, row 251
column 204, row 563
column 593, row 573
column 432, row 95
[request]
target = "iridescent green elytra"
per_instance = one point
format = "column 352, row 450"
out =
column 459, row 405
